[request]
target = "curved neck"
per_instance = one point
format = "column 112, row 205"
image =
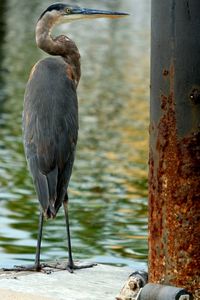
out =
column 60, row 45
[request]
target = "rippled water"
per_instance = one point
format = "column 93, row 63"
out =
column 108, row 188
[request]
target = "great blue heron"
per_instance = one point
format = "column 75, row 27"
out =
column 50, row 118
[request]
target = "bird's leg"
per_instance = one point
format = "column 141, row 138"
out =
column 71, row 266
column 36, row 266
column 37, row 256
column 70, row 259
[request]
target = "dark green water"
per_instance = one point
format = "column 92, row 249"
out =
column 108, row 189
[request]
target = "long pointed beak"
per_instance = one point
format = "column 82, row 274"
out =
column 95, row 13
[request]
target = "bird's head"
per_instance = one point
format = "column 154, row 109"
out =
column 60, row 12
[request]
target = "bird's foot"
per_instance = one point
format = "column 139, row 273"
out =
column 49, row 268
column 71, row 266
column 29, row 268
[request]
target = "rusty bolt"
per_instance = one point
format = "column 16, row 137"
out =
column 195, row 96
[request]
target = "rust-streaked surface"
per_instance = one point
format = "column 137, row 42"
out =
column 174, row 198
column 174, row 162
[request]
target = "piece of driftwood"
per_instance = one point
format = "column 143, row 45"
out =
column 133, row 285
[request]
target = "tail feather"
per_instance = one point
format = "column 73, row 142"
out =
column 52, row 186
column 42, row 190
column 46, row 188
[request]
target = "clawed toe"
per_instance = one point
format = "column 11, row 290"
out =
column 33, row 268
column 79, row 267
column 48, row 268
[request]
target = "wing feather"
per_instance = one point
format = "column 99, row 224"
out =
column 50, row 125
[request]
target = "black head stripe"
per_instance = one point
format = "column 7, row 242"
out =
column 55, row 6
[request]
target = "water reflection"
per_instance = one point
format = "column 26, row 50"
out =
column 108, row 190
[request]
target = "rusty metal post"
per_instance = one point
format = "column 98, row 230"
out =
column 174, row 163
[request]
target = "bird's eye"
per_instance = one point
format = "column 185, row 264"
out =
column 68, row 10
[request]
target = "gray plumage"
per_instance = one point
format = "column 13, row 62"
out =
column 50, row 125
